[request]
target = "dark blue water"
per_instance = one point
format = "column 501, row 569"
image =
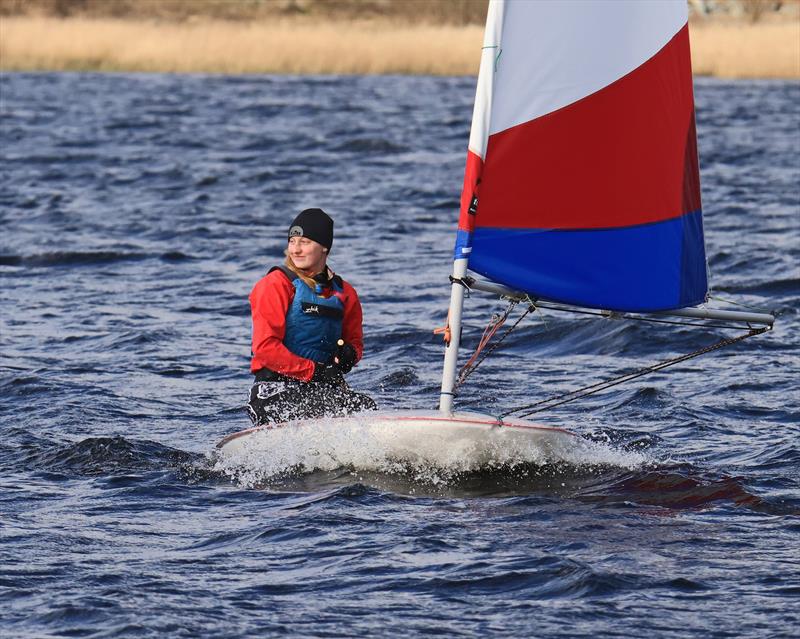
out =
column 135, row 214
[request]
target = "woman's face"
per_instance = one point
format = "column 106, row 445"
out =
column 307, row 255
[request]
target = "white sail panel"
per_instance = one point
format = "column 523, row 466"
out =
column 555, row 52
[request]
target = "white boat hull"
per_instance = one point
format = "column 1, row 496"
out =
column 397, row 441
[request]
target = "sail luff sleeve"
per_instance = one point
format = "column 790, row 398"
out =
column 479, row 132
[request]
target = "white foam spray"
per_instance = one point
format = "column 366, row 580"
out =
column 417, row 450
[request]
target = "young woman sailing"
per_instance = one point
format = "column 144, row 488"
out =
column 307, row 332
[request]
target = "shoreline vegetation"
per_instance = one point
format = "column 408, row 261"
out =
column 332, row 37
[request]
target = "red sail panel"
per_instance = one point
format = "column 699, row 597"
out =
column 622, row 156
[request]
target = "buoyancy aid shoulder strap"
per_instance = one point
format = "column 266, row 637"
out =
column 338, row 281
column 290, row 274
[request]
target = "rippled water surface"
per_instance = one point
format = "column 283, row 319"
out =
column 136, row 211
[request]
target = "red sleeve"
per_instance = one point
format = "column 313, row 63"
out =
column 352, row 332
column 269, row 302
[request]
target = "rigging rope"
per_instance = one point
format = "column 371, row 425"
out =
column 741, row 305
column 557, row 400
column 495, row 323
column 635, row 318
column 563, row 398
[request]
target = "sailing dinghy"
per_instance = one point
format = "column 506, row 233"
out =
column 581, row 191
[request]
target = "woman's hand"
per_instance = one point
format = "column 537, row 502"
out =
column 345, row 358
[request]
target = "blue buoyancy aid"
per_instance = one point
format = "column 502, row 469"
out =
column 313, row 322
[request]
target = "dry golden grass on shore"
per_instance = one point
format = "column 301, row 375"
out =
column 763, row 50
column 283, row 46
column 744, row 50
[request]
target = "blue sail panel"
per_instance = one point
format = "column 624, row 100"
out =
column 660, row 265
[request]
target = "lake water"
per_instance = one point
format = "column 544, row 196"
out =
column 136, row 212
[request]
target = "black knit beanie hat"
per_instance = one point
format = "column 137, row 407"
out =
column 315, row 224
